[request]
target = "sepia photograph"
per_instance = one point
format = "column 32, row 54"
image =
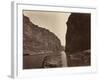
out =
column 55, row 39
column 49, row 40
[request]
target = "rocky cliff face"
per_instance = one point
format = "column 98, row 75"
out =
column 38, row 41
column 78, row 39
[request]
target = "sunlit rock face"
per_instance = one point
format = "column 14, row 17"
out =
column 78, row 39
column 38, row 43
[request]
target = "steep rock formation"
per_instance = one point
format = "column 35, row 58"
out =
column 78, row 39
column 39, row 42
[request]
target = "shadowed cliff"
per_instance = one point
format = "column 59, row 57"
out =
column 78, row 39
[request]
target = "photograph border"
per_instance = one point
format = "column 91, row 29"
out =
column 17, row 29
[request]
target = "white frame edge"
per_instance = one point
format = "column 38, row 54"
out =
column 14, row 54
